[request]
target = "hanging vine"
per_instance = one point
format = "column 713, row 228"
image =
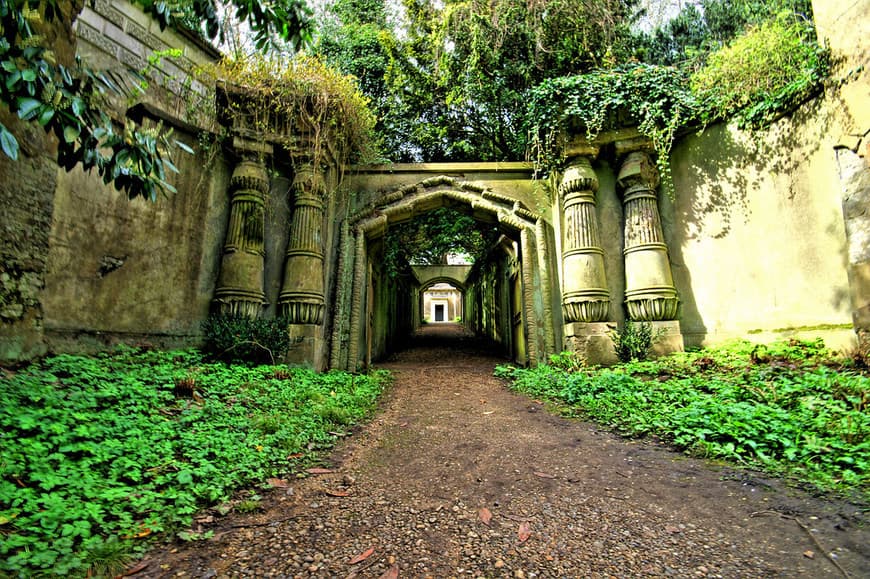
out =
column 656, row 99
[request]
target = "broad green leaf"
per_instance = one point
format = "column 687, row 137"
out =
column 78, row 106
column 9, row 143
column 71, row 133
column 27, row 108
column 46, row 115
column 184, row 147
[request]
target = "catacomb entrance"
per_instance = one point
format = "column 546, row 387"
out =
column 506, row 295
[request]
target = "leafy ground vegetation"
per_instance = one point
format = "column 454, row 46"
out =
column 789, row 408
column 98, row 455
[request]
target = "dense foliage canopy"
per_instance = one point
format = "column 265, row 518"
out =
column 430, row 238
column 474, row 80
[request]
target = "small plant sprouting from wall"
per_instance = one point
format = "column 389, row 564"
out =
column 635, row 341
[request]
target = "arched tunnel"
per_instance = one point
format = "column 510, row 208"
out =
column 506, row 294
column 489, row 299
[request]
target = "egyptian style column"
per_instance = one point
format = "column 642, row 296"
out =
column 585, row 297
column 650, row 294
column 301, row 299
column 239, row 289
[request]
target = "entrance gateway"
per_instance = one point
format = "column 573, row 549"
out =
column 520, row 295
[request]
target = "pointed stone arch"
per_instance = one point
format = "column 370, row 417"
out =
column 525, row 227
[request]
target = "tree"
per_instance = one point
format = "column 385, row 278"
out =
column 702, row 28
column 471, row 63
column 65, row 98
column 450, row 79
column 354, row 36
column 430, row 238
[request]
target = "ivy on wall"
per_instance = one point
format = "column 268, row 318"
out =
column 765, row 73
column 656, row 98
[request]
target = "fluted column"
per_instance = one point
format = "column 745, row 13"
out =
column 301, row 299
column 239, row 287
column 650, row 294
column 585, row 297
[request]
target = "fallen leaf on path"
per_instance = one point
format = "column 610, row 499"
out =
column 485, row 516
column 524, row 532
column 809, row 554
column 391, row 573
column 135, row 569
column 278, row 483
column 319, row 470
column 362, row 556
column 336, row 493
column 544, row 475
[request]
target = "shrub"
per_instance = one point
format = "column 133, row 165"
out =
column 238, row 338
column 766, row 72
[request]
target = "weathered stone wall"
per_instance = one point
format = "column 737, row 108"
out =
column 756, row 232
column 756, row 235
column 493, row 306
column 136, row 270
column 26, row 207
column 82, row 266
column 846, row 27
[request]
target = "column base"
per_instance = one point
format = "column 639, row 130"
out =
column 591, row 342
column 306, row 345
column 670, row 338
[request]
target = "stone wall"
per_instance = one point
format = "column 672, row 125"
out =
column 756, row 236
column 766, row 236
column 846, row 27
column 82, row 266
column 26, row 208
column 136, row 270
column 493, row 302
column 769, row 234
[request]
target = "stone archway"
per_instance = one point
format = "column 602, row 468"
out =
column 436, row 285
column 355, row 337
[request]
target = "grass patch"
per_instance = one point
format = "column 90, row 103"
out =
column 100, row 454
column 790, row 408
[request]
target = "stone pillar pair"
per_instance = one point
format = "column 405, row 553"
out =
column 650, row 295
column 240, row 286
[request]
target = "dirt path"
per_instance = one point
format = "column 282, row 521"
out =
column 452, row 440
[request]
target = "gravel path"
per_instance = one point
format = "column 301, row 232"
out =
column 459, row 477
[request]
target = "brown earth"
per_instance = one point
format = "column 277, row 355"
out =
column 566, row 498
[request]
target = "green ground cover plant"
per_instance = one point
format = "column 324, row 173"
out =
column 789, row 408
column 98, row 455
